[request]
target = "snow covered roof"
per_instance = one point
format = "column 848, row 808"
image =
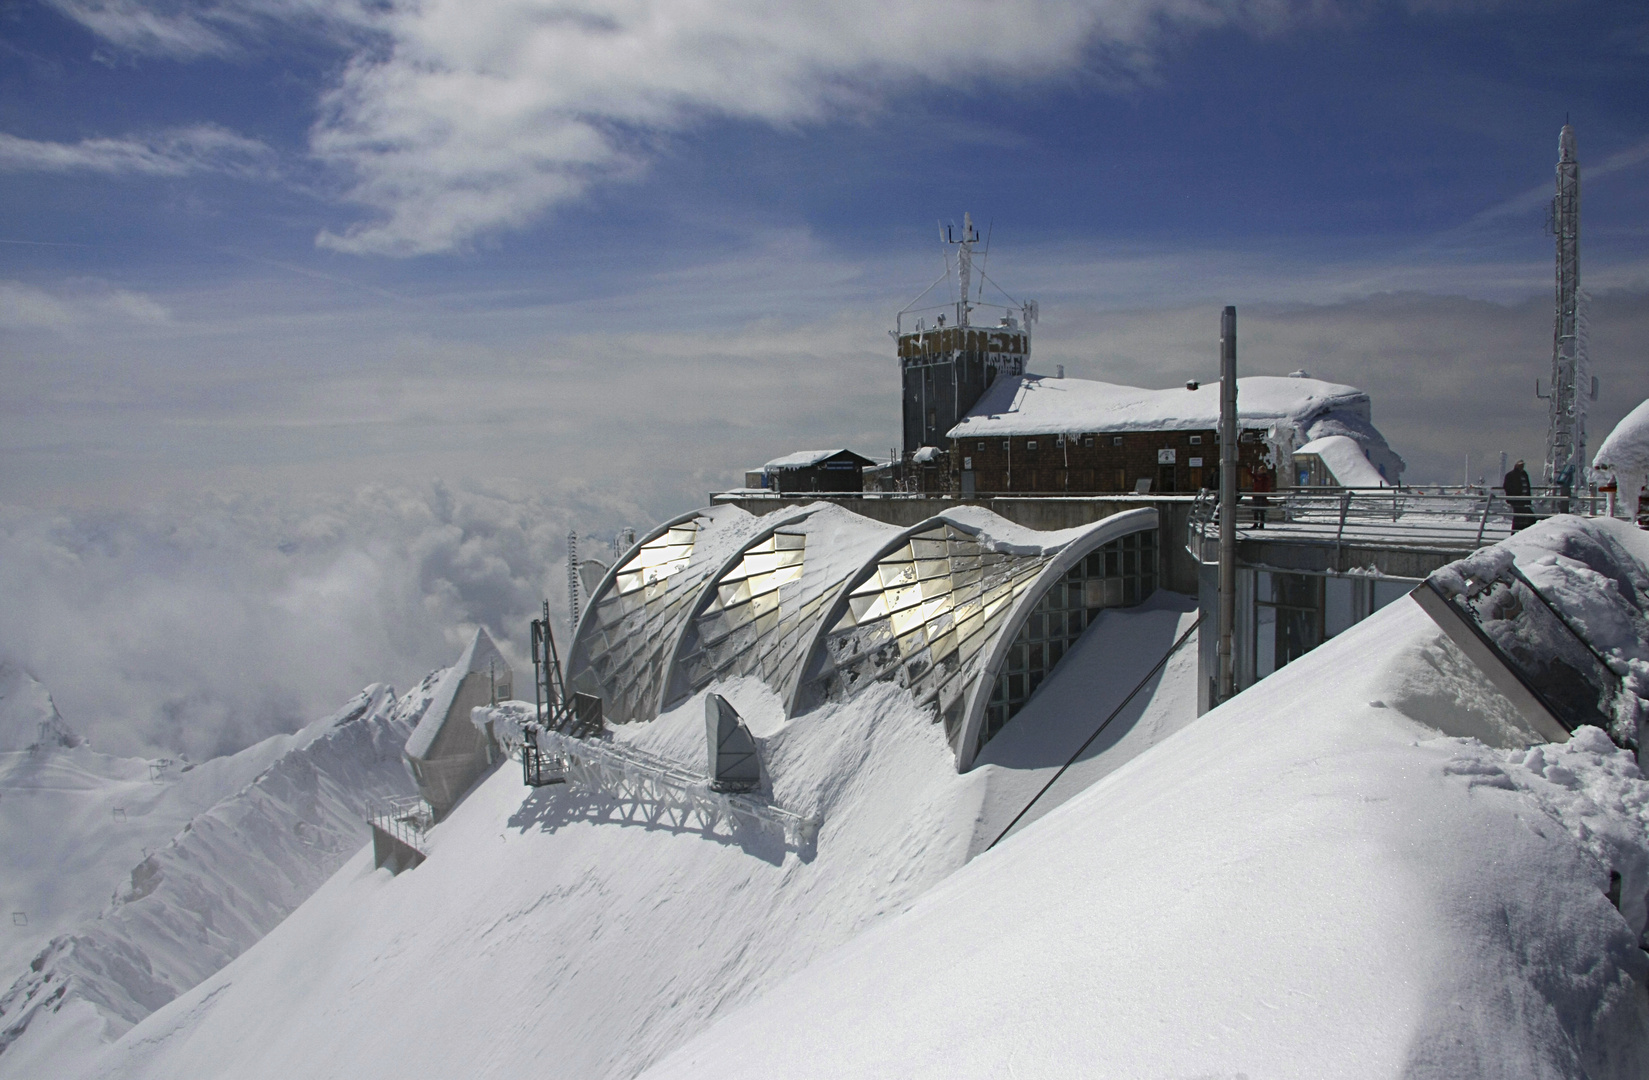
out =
column 1626, row 451
column 803, row 459
column 476, row 656
column 927, row 454
column 1346, row 460
column 1035, row 405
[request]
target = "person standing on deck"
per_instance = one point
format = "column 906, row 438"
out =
column 1516, row 486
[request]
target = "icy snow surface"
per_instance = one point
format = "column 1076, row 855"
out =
column 1625, row 453
column 1346, row 460
column 1302, row 883
column 1035, row 404
column 201, row 863
column 1595, row 572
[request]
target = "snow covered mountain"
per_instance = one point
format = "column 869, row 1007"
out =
column 201, row 860
column 1335, row 873
column 28, row 717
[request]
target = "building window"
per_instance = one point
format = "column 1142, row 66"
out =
column 1196, row 440
column 1120, row 574
column 1088, row 440
column 1007, row 444
column 1116, row 440
column 981, row 446
column 1030, row 444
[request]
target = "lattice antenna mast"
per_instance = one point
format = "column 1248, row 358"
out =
column 572, row 576
column 1566, row 440
column 964, row 265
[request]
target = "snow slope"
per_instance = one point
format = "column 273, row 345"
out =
column 1302, row 883
column 222, row 853
column 547, row 936
column 1110, row 659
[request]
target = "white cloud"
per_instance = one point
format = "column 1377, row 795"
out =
column 471, row 119
column 175, row 152
column 206, row 624
column 27, row 307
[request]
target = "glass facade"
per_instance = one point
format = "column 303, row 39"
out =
column 628, row 637
column 1283, row 616
column 922, row 617
column 756, row 620
column 1120, row 574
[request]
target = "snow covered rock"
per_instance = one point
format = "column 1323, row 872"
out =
column 1624, row 457
column 195, row 902
column 28, row 717
column 1595, row 574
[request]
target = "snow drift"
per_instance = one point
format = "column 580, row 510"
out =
column 1304, row 882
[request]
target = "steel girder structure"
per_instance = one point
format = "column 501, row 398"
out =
column 653, row 789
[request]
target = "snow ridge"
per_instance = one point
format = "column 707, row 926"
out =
column 28, row 716
column 224, row 881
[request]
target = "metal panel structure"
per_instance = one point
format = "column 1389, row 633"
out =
column 628, row 634
column 762, row 612
column 921, row 615
column 734, row 763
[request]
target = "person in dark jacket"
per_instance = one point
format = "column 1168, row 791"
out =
column 1517, row 488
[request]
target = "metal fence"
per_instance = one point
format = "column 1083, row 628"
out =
column 1433, row 518
column 405, row 819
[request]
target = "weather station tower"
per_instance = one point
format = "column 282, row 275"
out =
column 1566, row 439
column 946, row 360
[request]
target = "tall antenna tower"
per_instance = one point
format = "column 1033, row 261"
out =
column 964, row 266
column 1566, row 440
column 572, row 576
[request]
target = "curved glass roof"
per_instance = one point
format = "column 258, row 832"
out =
column 968, row 611
column 628, row 634
column 921, row 615
column 763, row 612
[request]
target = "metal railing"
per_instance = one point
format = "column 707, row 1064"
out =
column 659, row 788
column 405, row 819
column 1435, row 518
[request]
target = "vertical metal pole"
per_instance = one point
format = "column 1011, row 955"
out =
column 1228, row 499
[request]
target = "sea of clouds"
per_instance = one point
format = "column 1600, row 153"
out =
column 206, row 624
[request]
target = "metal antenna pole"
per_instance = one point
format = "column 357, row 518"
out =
column 1228, row 499
column 1566, row 440
column 572, row 577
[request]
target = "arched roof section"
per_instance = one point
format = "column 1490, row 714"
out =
column 923, row 612
column 1091, row 571
column 764, row 606
column 628, row 634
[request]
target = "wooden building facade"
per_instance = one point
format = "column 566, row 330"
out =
column 1160, row 462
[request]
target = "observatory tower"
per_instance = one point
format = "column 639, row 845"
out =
column 946, row 361
column 1566, row 440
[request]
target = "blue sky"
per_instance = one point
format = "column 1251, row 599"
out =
column 224, row 219
column 321, row 321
